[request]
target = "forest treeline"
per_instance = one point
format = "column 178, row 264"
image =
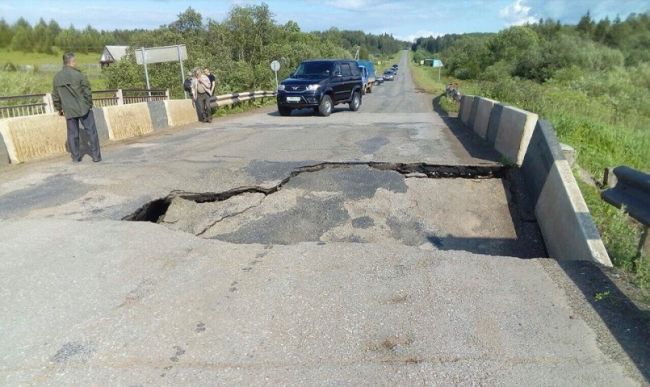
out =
column 543, row 50
column 238, row 49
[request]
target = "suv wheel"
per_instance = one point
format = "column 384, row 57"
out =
column 355, row 103
column 284, row 111
column 325, row 106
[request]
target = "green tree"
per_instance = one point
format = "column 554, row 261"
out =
column 6, row 33
column 188, row 21
column 23, row 36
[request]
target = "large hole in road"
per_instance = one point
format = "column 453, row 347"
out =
column 472, row 208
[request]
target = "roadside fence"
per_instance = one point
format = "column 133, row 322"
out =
column 34, row 104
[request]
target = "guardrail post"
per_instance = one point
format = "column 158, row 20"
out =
column 119, row 96
column 49, row 104
column 642, row 240
column 166, row 94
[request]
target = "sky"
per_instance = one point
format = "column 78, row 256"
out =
column 404, row 19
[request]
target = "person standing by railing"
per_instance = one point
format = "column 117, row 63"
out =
column 212, row 78
column 72, row 97
column 201, row 95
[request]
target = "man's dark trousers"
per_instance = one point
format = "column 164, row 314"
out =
column 203, row 110
column 88, row 122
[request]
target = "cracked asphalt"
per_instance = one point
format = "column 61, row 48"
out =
column 348, row 274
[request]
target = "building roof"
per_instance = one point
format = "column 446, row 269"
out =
column 112, row 54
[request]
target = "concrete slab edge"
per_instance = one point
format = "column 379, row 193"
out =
column 101, row 124
column 5, row 159
column 514, row 131
column 562, row 214
column 466, row 103
column 158, row 113
column 482, row 116
column 7, row 141
column 109, row 127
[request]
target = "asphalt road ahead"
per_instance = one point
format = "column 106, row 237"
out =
column 283, row 254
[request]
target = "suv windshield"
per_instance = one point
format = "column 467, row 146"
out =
column 314, row 69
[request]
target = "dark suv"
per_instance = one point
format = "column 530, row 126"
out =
column 321, row 84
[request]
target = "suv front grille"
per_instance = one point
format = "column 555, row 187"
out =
column 291, row 88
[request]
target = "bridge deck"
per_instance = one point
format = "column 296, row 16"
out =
column 335, row 274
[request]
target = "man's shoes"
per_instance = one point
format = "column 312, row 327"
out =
column 77, row 160
column 97, row 160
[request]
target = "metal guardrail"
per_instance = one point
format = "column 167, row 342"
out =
column 631, row 190
column 234, row 98
column 34, row 104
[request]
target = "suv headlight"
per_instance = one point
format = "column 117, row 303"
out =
column 313, row 87
column 281, row 88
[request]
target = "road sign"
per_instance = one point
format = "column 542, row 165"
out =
column 145, row 56
column 436, row 63
column 275, row 66
column 160, row 54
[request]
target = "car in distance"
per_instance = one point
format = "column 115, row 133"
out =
column 320, row 85
column 379, row 79
column 389, row 75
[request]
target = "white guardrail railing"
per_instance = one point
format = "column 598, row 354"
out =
column 34, row 104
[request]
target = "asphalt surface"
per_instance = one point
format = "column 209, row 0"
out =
column 338, row 275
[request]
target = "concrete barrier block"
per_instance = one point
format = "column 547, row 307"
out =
column 4, row 153
column 569, row 153
column 127, row 121
column 466, row 103
column 34, row 137
column 101, row 124
column 180, row 112
column 514, row 133
column 542, row 153
column 493, row 123
column 158, row 114
column 472, row 115
column 482, row 116
column 564, row 220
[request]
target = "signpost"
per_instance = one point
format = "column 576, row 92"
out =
column 436, row 63
column 275, row 66
column 144, row 56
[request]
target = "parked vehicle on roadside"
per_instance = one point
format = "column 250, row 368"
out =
column 320, row 85
column 379, row 79
column 371, row 77
column 389, row 75
column 364, row 79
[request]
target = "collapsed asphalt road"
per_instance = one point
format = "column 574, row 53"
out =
column 413, row 205
column 386, row 246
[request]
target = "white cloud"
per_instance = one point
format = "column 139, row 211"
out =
column 352, row 5
column 517, row 13
column 419, row 34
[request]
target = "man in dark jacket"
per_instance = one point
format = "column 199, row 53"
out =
column 72, row 97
